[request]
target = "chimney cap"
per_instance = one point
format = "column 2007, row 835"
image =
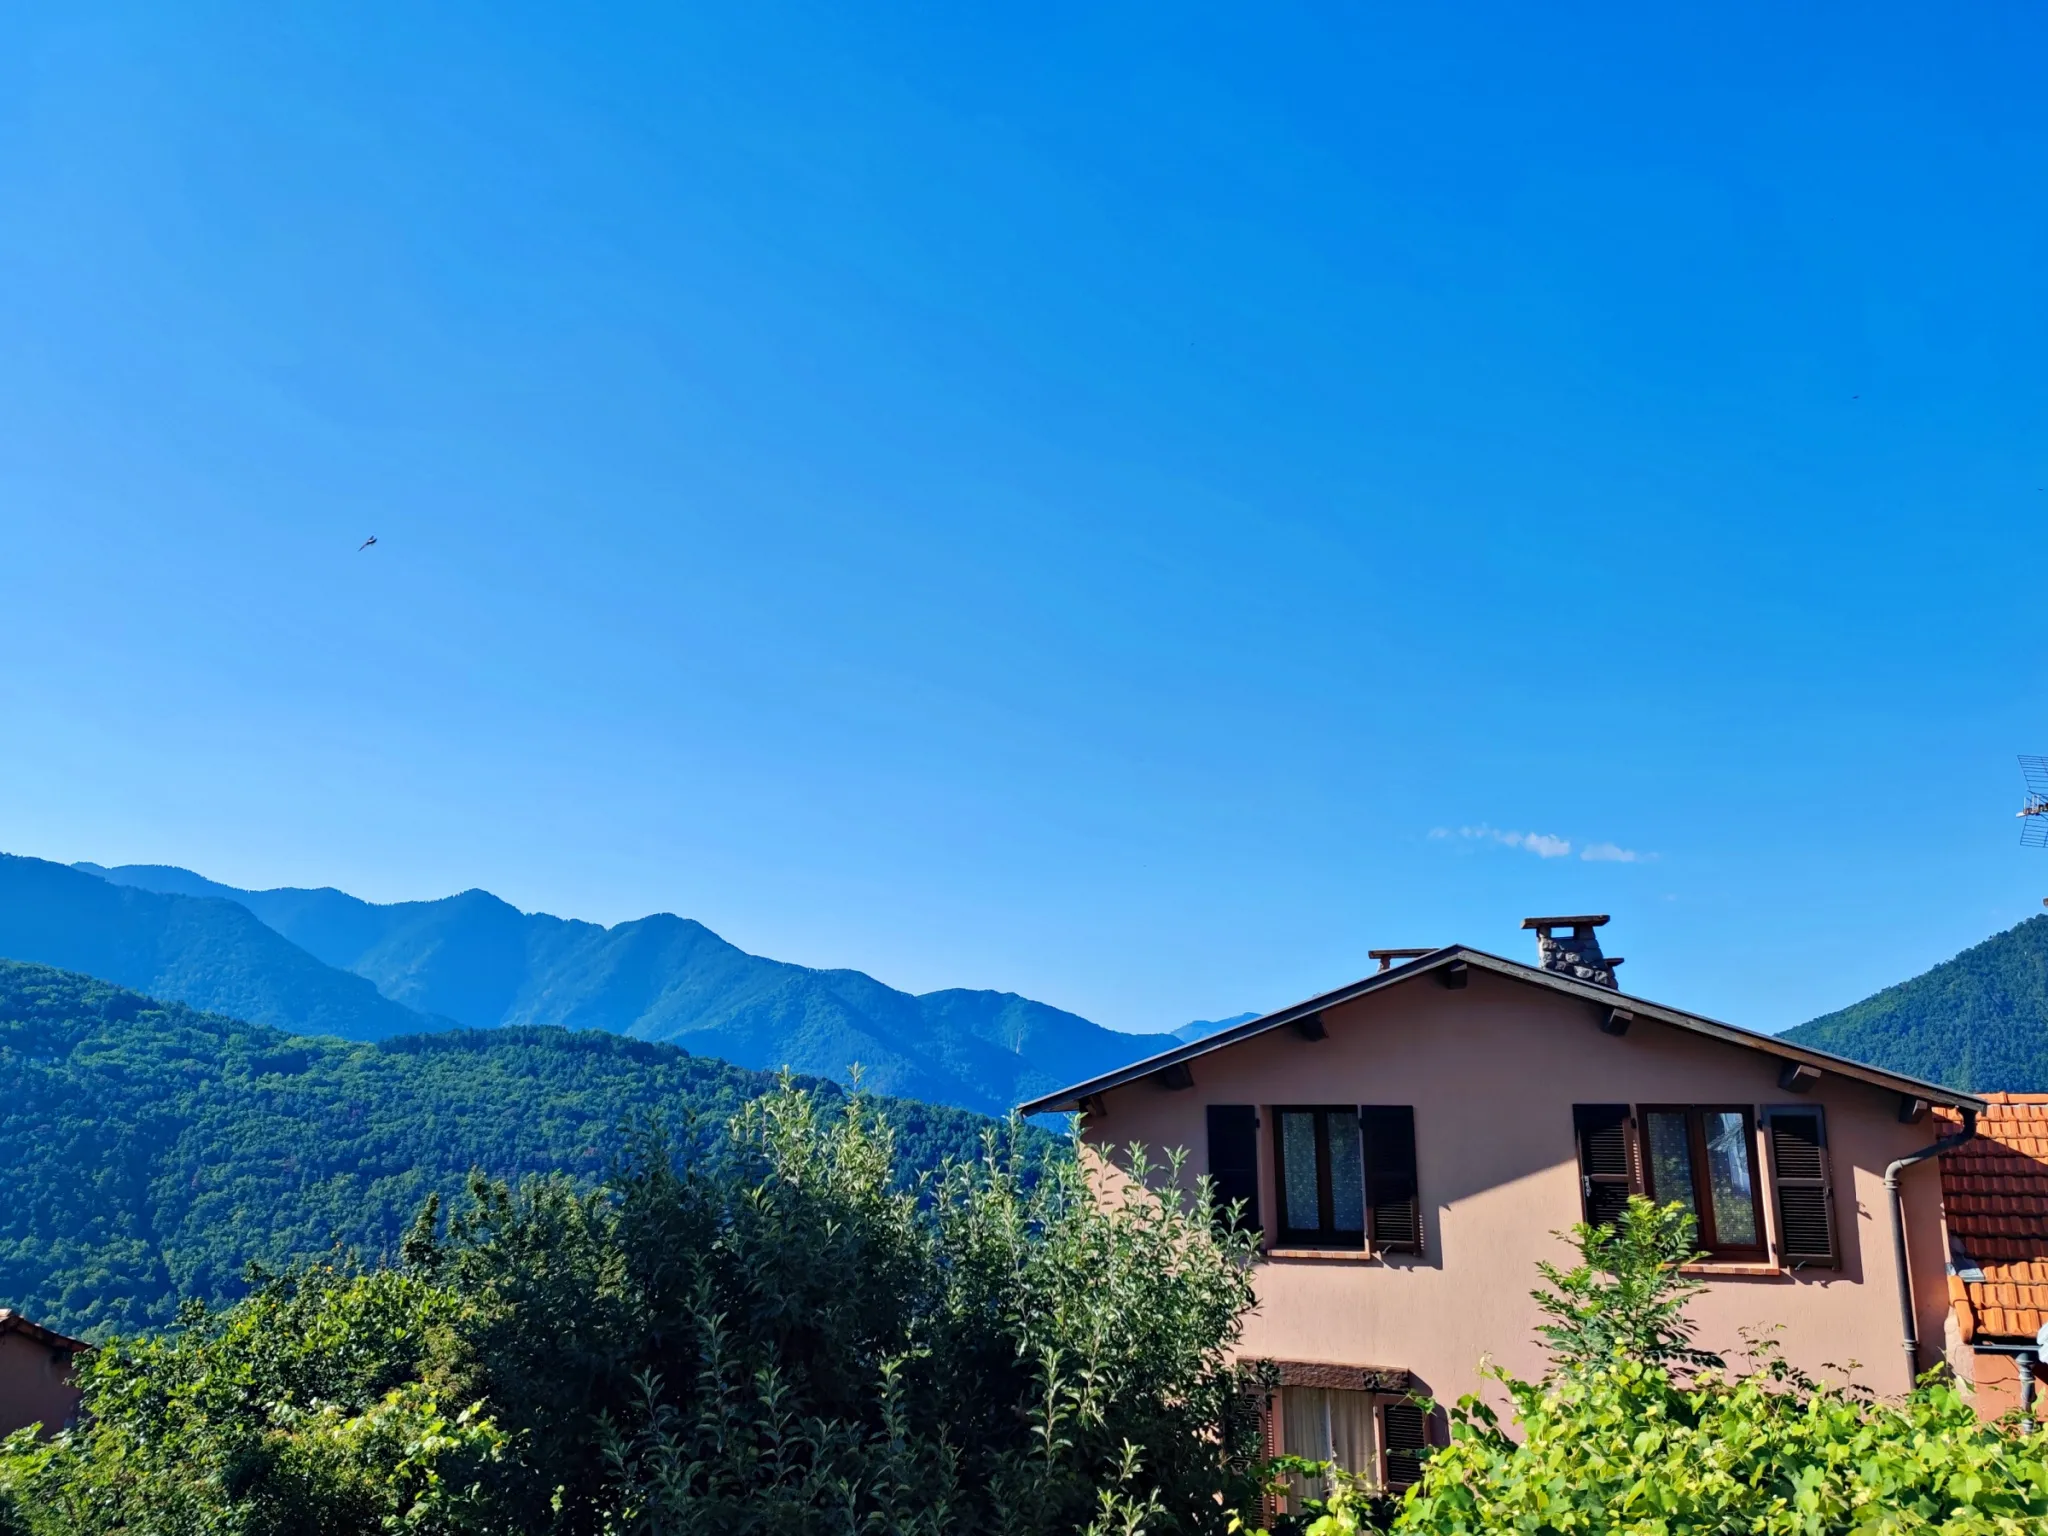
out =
column 1387, row 957
column 1545, row 924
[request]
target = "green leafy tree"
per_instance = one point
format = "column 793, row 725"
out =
column 774, row 1335
column 326, row 1404
column 1626, row 1297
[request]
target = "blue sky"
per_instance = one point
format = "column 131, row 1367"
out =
column 1134, row 507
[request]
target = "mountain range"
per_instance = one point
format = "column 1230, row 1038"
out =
column 324, row 962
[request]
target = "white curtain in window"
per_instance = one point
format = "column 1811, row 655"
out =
column 1326, row 1424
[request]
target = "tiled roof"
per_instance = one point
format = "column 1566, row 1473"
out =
column 1994, row 1193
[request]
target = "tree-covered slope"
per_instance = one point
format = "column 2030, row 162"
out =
column 204, row 952
column 151, row 1150
column 1978, row 1022
column 483, row 963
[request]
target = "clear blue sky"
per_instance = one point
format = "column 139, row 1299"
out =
column 1064, row 499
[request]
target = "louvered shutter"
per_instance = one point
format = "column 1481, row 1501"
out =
column 1799, row 1171
column 1605, row 1177
column 1405, row 1433
column 1393, row 1209
column 1234, row 1162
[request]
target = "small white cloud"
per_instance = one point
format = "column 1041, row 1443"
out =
column 1610, row 853
column 1542, row 844
column 1546, row 845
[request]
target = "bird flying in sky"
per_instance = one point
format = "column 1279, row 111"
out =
column 366, row 543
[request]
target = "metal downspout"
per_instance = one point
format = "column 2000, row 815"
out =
column 1909, row 1329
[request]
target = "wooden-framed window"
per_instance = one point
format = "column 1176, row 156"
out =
column 1319, row 1176
column 1704, row 1157
column 1333, row 1425
column 1798, row 1137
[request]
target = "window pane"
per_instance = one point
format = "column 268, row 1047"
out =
column 1671, row 1160
column 1352, row 1442
column 1305, row 1432
column 1347, row 1172
column 1728, row 1174
column 1298, row 1153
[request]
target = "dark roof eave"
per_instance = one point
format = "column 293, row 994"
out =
column 13, row 1322
column 1070, row 1097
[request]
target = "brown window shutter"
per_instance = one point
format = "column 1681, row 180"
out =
column 1404, row 1430
column 1393, row 1206
column 1798, row 1136
column 1234, row 1163
column 1605, row 1177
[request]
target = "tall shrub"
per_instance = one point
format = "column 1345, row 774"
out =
column 775, row 1339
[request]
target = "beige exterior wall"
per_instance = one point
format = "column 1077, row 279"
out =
column 1493, row 1071
column 35, row 1385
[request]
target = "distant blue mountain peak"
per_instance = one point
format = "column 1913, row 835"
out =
column 1201, row 1029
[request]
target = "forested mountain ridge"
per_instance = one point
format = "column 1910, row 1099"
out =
column 1978, row 1022
column 483, row 963
column 152, row 1150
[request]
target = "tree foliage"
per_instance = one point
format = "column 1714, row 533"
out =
column 1635, row 1431
column 776, row 1338
column 151, row 1150
column 1626, row 1297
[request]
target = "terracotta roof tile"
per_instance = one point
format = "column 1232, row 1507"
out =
column 1994, row 1194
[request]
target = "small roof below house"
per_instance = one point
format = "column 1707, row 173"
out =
column 1454, row 961
column 12, row 1321
column 1994, row 1192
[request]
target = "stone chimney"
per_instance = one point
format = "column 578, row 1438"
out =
column 1575, row 954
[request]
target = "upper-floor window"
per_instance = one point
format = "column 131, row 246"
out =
column 1704, row 1157
column 1320, row 1175
column 1345, row 1176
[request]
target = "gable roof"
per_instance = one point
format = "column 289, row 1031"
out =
column 12, row 1321
column 1994, row 1192
column 1459, row 954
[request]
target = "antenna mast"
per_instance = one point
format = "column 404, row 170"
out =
column 2034, row 813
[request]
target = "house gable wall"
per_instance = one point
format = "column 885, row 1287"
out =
column 35, row 1384
column 1493, row 1071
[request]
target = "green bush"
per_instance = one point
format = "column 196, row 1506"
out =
column 777, row 1338
column 1632, row 1433
column 320, row 1405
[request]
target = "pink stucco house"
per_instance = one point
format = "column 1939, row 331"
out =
column 35, row 1375
column 1410, row 1145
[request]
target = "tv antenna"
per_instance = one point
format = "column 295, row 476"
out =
column 2034, row 814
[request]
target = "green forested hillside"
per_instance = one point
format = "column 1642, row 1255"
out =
column 1977, row 1022
column 150, row 1151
